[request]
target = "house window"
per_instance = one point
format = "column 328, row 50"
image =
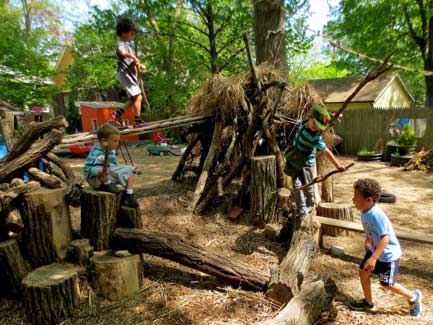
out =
column 94, row 125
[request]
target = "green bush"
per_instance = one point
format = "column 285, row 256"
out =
column 364, row 152
column 407, row 137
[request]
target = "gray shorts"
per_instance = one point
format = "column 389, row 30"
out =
column 128, row 84
column 118, row 175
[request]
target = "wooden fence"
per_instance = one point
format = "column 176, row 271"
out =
column 362, row 128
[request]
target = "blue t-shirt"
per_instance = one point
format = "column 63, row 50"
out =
column 376, row 224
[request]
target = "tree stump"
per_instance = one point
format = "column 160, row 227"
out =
column 334, row 211
column 13, row 268
column 98, row 217
column 115, row 278
column 47, row 226
column 80, row 252
column 263, row 190
column 51, row 293
column 129, row 218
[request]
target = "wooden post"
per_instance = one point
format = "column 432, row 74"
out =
column 80, row 252
column 7, row 125
column 334, row 211
column 263, row 190
column 51, row 293
column 47, row 226
column 98, row 217
column 13, row 268
column 116, row 278
column 129, row 218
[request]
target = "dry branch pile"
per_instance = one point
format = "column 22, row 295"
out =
column 422, row 160
column 247, row 109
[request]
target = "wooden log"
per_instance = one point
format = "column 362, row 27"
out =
column 9, row 169
column 129, row 218
column 79, row 252
column 44, row 178
column 7, row 120
column 263, row 190
column 286, row 279
column 98, row 217
column 116, row 278
column 327, row 189
column 47, row 229
column 335, row 211
column 306, row 306
column 17, row 182
column 33, row 133
column 176, row 249
column 51, row 293
column 14, row 222
column 13, row 267
column 177, row 175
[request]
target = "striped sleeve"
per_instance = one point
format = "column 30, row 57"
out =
column 321, row 145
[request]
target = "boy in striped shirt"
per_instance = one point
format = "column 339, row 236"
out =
column 301, row 158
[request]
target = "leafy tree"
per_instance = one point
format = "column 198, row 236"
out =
column 378, row 27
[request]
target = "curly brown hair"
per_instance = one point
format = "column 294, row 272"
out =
column 105, row 131
column 368, row 188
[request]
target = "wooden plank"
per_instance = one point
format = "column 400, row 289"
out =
column 357, row 227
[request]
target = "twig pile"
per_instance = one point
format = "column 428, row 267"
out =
column 422, row 160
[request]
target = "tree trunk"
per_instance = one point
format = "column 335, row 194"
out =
column 13, row 268
column 129, row 218
column 286, row 279
column 47, row 229
column 116, row 278
column 176, row 249
column 51, row 293
column 263, row 190
column 7, row 120
column 306, row 306
column 80, row 252
column 327, row 186
column 98, row 217
column 269, row 31
column 334, row 211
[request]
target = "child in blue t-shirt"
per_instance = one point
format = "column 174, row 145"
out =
column 383, row 249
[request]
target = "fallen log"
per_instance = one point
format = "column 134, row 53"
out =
column 306, row 306
column 176, row 249
column 339, row 211
column 48, row 180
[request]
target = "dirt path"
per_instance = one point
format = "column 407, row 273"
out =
column 174, row 294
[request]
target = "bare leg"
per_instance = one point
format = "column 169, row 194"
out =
column 127, row 105
column 136, row 103
column 364, row 276
column 130, row 182
column 400, row 290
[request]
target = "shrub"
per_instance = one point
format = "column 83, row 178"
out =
column 407, row 137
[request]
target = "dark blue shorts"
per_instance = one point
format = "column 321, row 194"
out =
column 387, row 272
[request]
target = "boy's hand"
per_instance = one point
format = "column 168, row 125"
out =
column 103, row 177
column 370, row 264
column 141, row 67
column 341, row 168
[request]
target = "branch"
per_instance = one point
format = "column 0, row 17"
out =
column 418, row 39
column 320, row 179
column 189, row 25
column 227, row 61
column 189, row 40
column 423, row 17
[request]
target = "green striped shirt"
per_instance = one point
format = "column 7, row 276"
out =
column 308, row 141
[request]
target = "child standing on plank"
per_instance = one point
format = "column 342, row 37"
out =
column 115, row 174
column 383, row 249
column 301, row 158
column 128, row 67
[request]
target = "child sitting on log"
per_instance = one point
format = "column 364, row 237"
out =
column 301, row 158
column 106, row 179
column 383, row 249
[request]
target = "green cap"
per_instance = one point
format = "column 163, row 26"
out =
column 321, row 117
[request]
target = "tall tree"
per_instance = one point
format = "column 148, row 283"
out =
column 377, row 27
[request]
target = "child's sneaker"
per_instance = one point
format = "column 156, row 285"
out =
column 117, row 118
column 361, row 305
column 139, row 123
column 130, row 201
column 415, row 305
column 109, row 188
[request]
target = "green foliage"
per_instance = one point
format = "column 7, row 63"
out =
column 376, row 28
column 407, row 137
column 366, row 152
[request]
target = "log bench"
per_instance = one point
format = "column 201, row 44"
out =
column 357, row 227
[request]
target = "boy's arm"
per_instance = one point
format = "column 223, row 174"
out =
column 127, row 54
column 334, row 160
column 370, row 264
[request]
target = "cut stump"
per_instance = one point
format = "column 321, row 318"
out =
column 47, row 229
column 129, row 218
column 80, row 252
column 334, row 211
column 98, row 217
column 13, row 268
column 116, row 278
column 51, row 293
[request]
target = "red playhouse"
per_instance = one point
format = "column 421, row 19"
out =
column 96, row 114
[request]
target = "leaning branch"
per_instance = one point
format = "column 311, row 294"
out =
column 320, row 179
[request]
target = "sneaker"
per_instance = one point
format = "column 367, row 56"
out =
column 361, row 305
column 139, row 123
column 130, row 201
column 117, row 118
column 415, row 305
column 111, row 188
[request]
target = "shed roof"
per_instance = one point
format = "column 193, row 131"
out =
column 336, row 90
column 100, row 104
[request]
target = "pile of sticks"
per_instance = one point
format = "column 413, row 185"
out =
column 422, row 160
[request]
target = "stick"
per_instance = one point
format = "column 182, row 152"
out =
column 320, row 179
column 106, row 157
column 250, row 61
